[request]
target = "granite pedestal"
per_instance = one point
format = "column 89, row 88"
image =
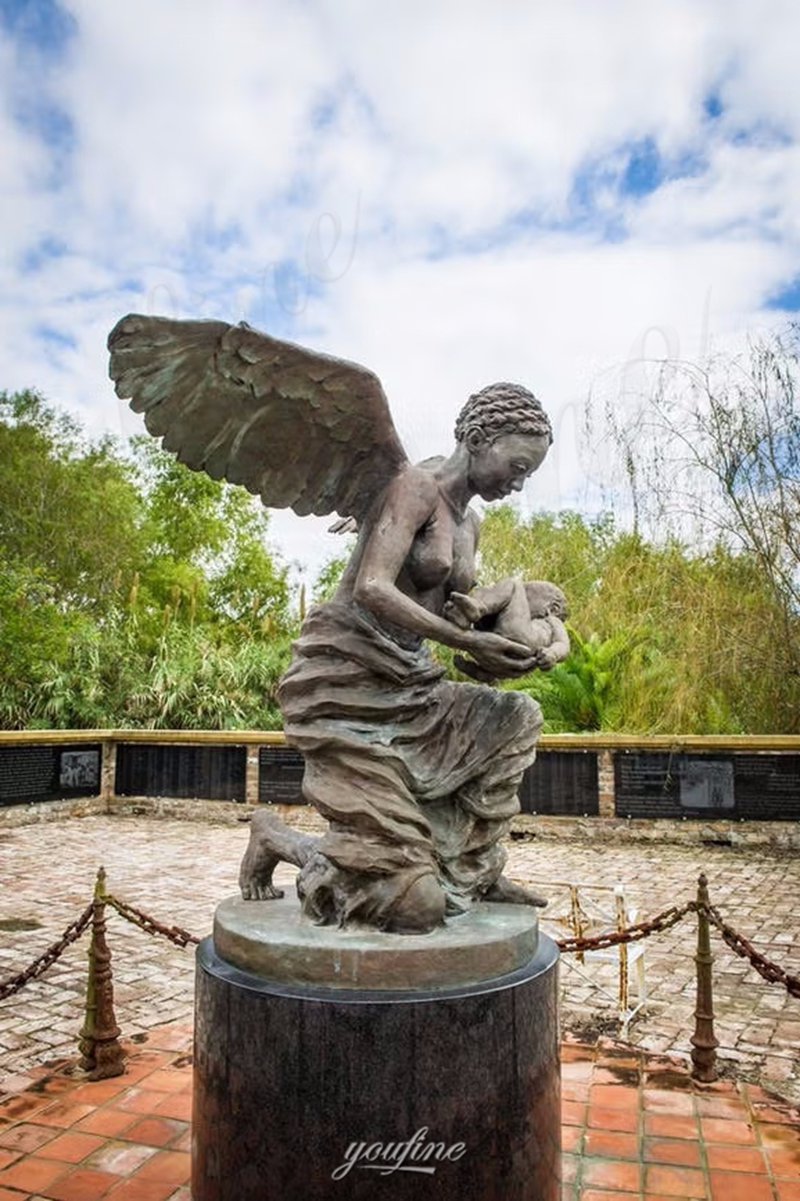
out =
column 322, row 1070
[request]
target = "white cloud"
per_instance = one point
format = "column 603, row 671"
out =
column 434, row 190
column 761, row 85
column 553, row 313
column 189, row 114
column 746, row 191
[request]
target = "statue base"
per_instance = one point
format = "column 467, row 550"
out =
column 319, row 1081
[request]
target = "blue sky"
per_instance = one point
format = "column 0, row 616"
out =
column 449, row 193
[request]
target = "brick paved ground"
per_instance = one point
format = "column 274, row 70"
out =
column 178, row 871
column 634, row 1127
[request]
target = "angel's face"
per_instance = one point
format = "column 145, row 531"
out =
column 496, row 469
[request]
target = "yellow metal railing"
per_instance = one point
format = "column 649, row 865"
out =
column 743, row 743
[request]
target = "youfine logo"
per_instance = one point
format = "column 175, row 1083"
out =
column 416, row 1154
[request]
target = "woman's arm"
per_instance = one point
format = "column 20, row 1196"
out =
column 409, row 501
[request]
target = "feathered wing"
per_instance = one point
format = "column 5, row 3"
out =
column 300, row 429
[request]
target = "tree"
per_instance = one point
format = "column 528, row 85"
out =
column 133, row 591
column 207, row 558
column 564, row 547
column 69, row 508
column 665, row 638
column 713, row 453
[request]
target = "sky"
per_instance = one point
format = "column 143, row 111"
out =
column 451, row 192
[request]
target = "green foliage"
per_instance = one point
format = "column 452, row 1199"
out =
column 68, row 508
column 207, row 560
column 329, row 578
column 583, row 692
column 196, row 683
column 563, row 547
column 34, row 632
column 134, row 591
column 664, row 640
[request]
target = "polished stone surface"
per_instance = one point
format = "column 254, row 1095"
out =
column 179, row 871
column 629, row 1122
column 290, row 1081
column 274, row 940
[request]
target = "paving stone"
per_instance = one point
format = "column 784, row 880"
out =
column 179, row 870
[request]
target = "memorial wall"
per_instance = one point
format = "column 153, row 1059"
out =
column 704, row 785
column 758, row 787
column 47, row 773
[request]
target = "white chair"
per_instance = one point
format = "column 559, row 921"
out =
column 586, row 916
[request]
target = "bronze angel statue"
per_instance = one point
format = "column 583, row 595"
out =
column 417, row 775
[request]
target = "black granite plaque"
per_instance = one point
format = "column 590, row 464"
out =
column 705, row 783
column 46, row 773
column 754, row 787
column 212, row 773
column 26, row 772
column 561, row 782
column 280, row 776
column 767, row 787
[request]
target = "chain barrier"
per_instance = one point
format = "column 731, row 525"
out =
column 665, row 920
column 770, row 971
column 176, row 934
column 765, row 967
column 614, row 938
column 180, row 937
column 72, row 933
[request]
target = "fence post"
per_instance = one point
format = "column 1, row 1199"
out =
column 606, row 787
column 704, row 1044
column 252, row 773
column 101, row 1054
column 622, row 919
column 108, row 771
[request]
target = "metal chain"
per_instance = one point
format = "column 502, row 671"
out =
column 670, row 917
column 175, row 934
column 662, row 921
column 614, row 938
column 72, row 933
column 765, row 967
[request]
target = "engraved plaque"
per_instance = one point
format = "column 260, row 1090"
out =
column 706, row 784
column 79, row 769
column 26, row 773
column 213, row 773
column 45, row 773
column 561, row 782
column 280, row 776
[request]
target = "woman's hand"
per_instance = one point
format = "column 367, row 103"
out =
column 498, row 657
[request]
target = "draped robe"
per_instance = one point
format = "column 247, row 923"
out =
column 416, row 774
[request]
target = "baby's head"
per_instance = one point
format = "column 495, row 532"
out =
column 546, row 600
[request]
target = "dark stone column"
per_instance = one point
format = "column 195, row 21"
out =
column 293, row 1082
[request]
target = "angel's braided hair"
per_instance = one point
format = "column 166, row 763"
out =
column 503, row 409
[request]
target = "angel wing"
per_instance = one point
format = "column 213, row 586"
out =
column 303, row 430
